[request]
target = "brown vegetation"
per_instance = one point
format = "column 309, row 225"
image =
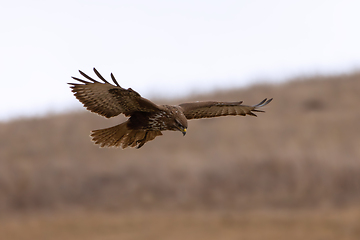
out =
column 303, row 153
column 176, row 225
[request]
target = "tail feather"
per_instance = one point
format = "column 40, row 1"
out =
column 121, row 135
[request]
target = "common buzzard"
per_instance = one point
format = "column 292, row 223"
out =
column 146, row 119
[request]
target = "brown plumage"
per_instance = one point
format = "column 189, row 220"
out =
column 146, row 119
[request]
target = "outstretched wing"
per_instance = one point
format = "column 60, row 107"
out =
column 217, row 109
column 109, row 100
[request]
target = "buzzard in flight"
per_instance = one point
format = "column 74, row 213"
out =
column 146, row 119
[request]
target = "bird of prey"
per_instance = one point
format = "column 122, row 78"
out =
column 146, row 119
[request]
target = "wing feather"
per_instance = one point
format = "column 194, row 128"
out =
column 99, row 76
column 114, row 80
column 109, row 100
column 216, row 109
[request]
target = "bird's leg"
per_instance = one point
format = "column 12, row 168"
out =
column 141, row 142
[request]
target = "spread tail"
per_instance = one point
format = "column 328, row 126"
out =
column 121, row 135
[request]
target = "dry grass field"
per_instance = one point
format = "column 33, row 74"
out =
column 293, row 172
column 177, row 225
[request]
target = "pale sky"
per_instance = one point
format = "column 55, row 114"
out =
column 167, row 48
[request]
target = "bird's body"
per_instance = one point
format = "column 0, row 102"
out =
column 146, row 119
column 157, row 120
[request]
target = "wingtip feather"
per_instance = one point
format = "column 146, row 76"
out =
column 252, row 114
column 263, row 103
column 114, row 80
column 99, row 76
column 86, row 76
column 80, row 80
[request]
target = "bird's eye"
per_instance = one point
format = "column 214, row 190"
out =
column 178, row 123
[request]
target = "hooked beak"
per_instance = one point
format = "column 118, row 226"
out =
column 183, row 131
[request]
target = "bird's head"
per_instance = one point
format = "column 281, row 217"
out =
column 179, row 121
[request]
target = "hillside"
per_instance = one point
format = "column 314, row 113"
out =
column 302, row 153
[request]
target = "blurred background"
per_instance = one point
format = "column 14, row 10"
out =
column 292, row 172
